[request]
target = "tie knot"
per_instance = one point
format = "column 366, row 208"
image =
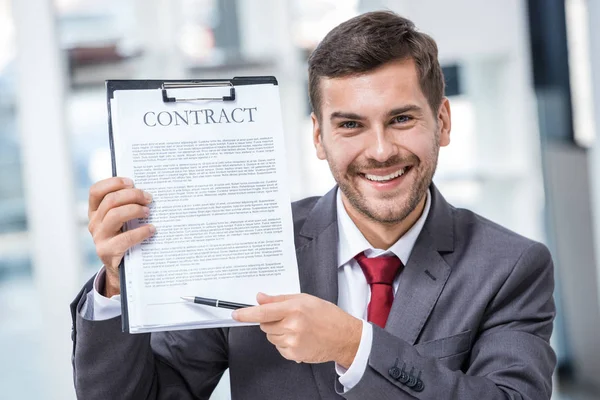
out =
column 379, row 269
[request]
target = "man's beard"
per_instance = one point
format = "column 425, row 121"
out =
column 393, row 212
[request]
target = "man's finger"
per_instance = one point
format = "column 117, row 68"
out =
column 120, row 198
column 116, row 217
column 261, row 314
column 277, row 340
column 263, row 298
column 128, row 239
column 273, row 328
column 287, row 353
column 104, row 187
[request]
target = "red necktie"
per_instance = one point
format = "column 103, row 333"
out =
column 380, row 273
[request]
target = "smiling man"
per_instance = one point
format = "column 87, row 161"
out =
column 404, row 296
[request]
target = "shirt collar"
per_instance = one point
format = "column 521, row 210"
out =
column 352, row 242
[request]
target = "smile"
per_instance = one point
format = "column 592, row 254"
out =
column 389, row 177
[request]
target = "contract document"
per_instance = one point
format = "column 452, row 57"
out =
column 213, row 159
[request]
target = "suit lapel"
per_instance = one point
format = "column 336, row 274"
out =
column 421, row 283
column 425, row 273
column 317, row 258
column 317, row 262
column 318, row 265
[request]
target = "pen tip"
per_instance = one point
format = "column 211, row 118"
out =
column 187, row 298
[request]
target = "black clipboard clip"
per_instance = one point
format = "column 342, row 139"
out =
column 184, row 85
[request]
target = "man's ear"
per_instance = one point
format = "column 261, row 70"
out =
column 318, row 137
column 444, row 122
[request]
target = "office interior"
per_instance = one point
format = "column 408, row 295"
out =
column 523, row 79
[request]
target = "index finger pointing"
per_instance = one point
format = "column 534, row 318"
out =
column 260, row 314
column 101, row 188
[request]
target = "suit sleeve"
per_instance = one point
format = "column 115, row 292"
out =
column 110, row 364
column 510, row 358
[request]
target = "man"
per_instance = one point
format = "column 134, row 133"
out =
column 403, row 296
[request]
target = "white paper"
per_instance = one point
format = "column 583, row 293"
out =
column 221, row 203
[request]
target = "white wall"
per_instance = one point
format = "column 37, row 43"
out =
column 594, row 36
column 48, row 182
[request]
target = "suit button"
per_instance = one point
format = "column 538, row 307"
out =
column 419, row 386
column 403, row 378
column 395, row 371
column 412, row 381
column 402, row 375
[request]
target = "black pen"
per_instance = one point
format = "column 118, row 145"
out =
column 216, row 303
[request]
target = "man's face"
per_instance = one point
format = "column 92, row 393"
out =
column 381, row 139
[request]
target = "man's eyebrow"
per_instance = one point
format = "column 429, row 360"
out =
column 391, row 113
column 345, row 115
column 402, row 110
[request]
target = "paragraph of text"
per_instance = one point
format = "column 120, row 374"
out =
column 177, row 173
column 199, row 149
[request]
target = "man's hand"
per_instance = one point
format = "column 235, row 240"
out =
column 305, row 328
column 113, row 202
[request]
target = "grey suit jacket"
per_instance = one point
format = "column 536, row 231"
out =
column 471, row 319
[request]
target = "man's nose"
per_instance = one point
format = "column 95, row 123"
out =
column 381, row 146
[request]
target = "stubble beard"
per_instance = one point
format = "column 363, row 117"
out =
column 391, row 212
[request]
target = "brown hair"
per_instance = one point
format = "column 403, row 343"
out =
column 368, row 41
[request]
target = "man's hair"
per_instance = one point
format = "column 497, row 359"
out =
column 368, row 41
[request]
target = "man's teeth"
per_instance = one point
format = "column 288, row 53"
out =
column 378, row 178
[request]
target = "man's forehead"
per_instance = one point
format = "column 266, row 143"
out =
column 393, row 69
column 395, row 82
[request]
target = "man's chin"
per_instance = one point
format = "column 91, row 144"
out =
column 390, row 204
column 383, row 216
column 387, row 211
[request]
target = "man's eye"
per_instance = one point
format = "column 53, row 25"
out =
column 401, row 119
column 349, row 125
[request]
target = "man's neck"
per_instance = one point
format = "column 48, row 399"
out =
column 380, row 235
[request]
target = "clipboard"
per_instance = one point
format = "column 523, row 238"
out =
column 229, row 94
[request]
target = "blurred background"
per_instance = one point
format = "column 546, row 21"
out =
column 523, row 78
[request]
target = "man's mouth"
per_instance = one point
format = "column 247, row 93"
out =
column 388, row 177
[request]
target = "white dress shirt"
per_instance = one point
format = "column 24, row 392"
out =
column 104, row 307
column 354, row 293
